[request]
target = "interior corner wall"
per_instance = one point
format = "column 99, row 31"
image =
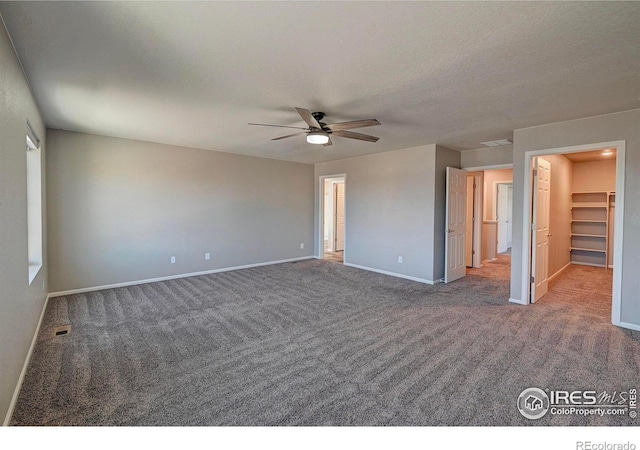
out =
column 20, row 303
column 445, row 157
column 592, row 130
column 560, row 217
column 389, row 210
column 120, row 208
column 487, row 157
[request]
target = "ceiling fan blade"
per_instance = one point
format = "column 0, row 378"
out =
column 352, row 135
column 328, row 143
column 308, row 117
column 279, row 126
column 288, row 135
column 353, row 124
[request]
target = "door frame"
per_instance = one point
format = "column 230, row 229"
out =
column 618, row 236
column 320, row 211
column 334, row 219
column 479, row 219
column 478, row 211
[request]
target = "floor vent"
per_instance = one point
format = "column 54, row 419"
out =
column 61, row 331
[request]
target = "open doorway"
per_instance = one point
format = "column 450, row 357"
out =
column 573, row 226
column 489, row 210
column 333, row 218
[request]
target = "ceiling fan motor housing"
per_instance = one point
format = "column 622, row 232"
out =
column 318, row 115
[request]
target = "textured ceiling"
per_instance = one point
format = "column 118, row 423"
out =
column 451, row 73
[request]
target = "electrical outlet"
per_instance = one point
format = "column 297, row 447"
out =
column 207, row 256
column 400, row 259
column 301, row 245
column 173, row 260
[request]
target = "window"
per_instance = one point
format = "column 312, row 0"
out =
column 34, row 203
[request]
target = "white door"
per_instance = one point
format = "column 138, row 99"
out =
column 540, row 234
column 456, row 225
column 339, row 207
column 502, row 216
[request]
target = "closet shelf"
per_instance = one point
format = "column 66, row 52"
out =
column 590, row 205
column 590, row 227
column 594, row 250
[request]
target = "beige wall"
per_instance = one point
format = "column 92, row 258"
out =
column 391, row 209
column 592, row 130
column 560, row 212
column 20, row 303
column 594, row 176
column 121, row 208
column 489, row 239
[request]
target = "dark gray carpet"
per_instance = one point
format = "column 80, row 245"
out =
column 318, row 343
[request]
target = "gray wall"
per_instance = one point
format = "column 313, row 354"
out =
column 119, row 209
column 611, row 127
column 389, row 209
column 20, row 304
column 445, row 157
column 487, row 156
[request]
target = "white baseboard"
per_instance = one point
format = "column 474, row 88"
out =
column 587, row 264
column 516, row 300
column 174, row 277
column 16, row 392
column 628, row 325
column 393, row 274
column 560, row 271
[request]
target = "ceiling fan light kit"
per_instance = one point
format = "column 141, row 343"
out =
column 318, row 132
column 317, row 137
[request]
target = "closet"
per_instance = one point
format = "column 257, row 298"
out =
column 593, row 181
column 590, row 227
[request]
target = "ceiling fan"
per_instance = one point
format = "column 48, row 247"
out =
column 319, row 132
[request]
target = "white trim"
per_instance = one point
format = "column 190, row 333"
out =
column 630, row 326
column 34, row 340
column 618, row 235
column 394, row 274
column 579, row 263
column 174, row 277
column 560, row 271
column 618, row 226
column 515, row 300
column 33, row 271
column 490, row 167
